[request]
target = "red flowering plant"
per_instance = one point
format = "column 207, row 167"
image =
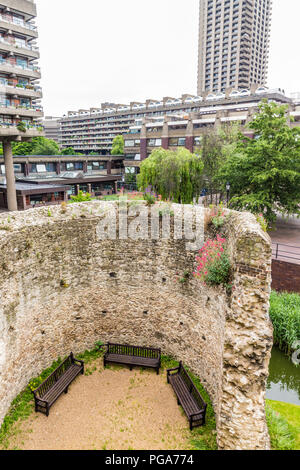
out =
column 213, row 264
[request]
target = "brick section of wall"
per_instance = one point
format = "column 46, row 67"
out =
column 285, row 276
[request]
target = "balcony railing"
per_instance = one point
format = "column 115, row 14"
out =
column 18, row 22
column 10, row 125
column 32, row 107
column 21, row 46
column 36, row 88
column 33, row 68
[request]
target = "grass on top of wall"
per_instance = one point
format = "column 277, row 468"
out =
column 284, row 425
column 285, row 316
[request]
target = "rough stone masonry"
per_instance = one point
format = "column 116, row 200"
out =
column 62, row 289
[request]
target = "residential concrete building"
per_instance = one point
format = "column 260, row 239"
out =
column 20, row 93
column 233, row 44
column 89, row 131
column 52, row 128
column 187, row 129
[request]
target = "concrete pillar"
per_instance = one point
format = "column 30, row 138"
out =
column 165, row 143
column 189, row 136
column 109, row 167
column 10, row 177
column 165, row 134
column 26, row 169
column 143, row 149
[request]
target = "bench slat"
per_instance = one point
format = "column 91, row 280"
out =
column 57, row 383
column 62, row 383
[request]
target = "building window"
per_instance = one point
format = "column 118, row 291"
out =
column 154, row 142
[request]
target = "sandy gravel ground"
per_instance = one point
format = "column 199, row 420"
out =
column 112, row 409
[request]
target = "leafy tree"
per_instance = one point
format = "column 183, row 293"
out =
column 118, row 145
column 264, row 172
column 176, row 176
column 68, row 151
column 22, row 148
column 215, row 148
column 37, row 146
column 43, row 146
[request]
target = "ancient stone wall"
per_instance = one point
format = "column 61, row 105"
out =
column 62, row 289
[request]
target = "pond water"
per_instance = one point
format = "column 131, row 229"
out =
column 284, row 379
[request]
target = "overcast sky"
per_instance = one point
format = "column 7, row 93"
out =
column 130, row 50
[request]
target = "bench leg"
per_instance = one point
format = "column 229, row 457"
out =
column 104, row 363
column 157, row 371
column 130, row 367
column 47, row 411
column 178, row 402
column 67, row 389
column 191, row 425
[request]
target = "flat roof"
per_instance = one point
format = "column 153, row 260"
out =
column 33, row 188
column 69, row 181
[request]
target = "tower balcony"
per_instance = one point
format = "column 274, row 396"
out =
column 28, row 7
column 30, row 71
column 16, row 25
column 27, row 50
column 12, row 132
column 29, row 91
column 20, row 111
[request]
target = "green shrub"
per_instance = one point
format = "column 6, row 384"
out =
column 81, row 197
column 285, row 316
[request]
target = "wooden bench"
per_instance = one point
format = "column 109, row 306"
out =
column 187, row 395
column 132, row 356
column 57, row 383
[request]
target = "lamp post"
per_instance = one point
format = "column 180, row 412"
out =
column 228, row 192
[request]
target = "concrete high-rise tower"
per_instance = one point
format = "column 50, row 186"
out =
column 20, row 93
column 233, row 43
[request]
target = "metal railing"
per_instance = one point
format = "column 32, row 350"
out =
column 19, row 45
column 284, row 252
column 17, row 22
column 33, row 68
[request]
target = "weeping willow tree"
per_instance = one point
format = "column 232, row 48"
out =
column 176, row 176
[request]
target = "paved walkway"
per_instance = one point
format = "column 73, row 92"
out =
column 287, row 235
